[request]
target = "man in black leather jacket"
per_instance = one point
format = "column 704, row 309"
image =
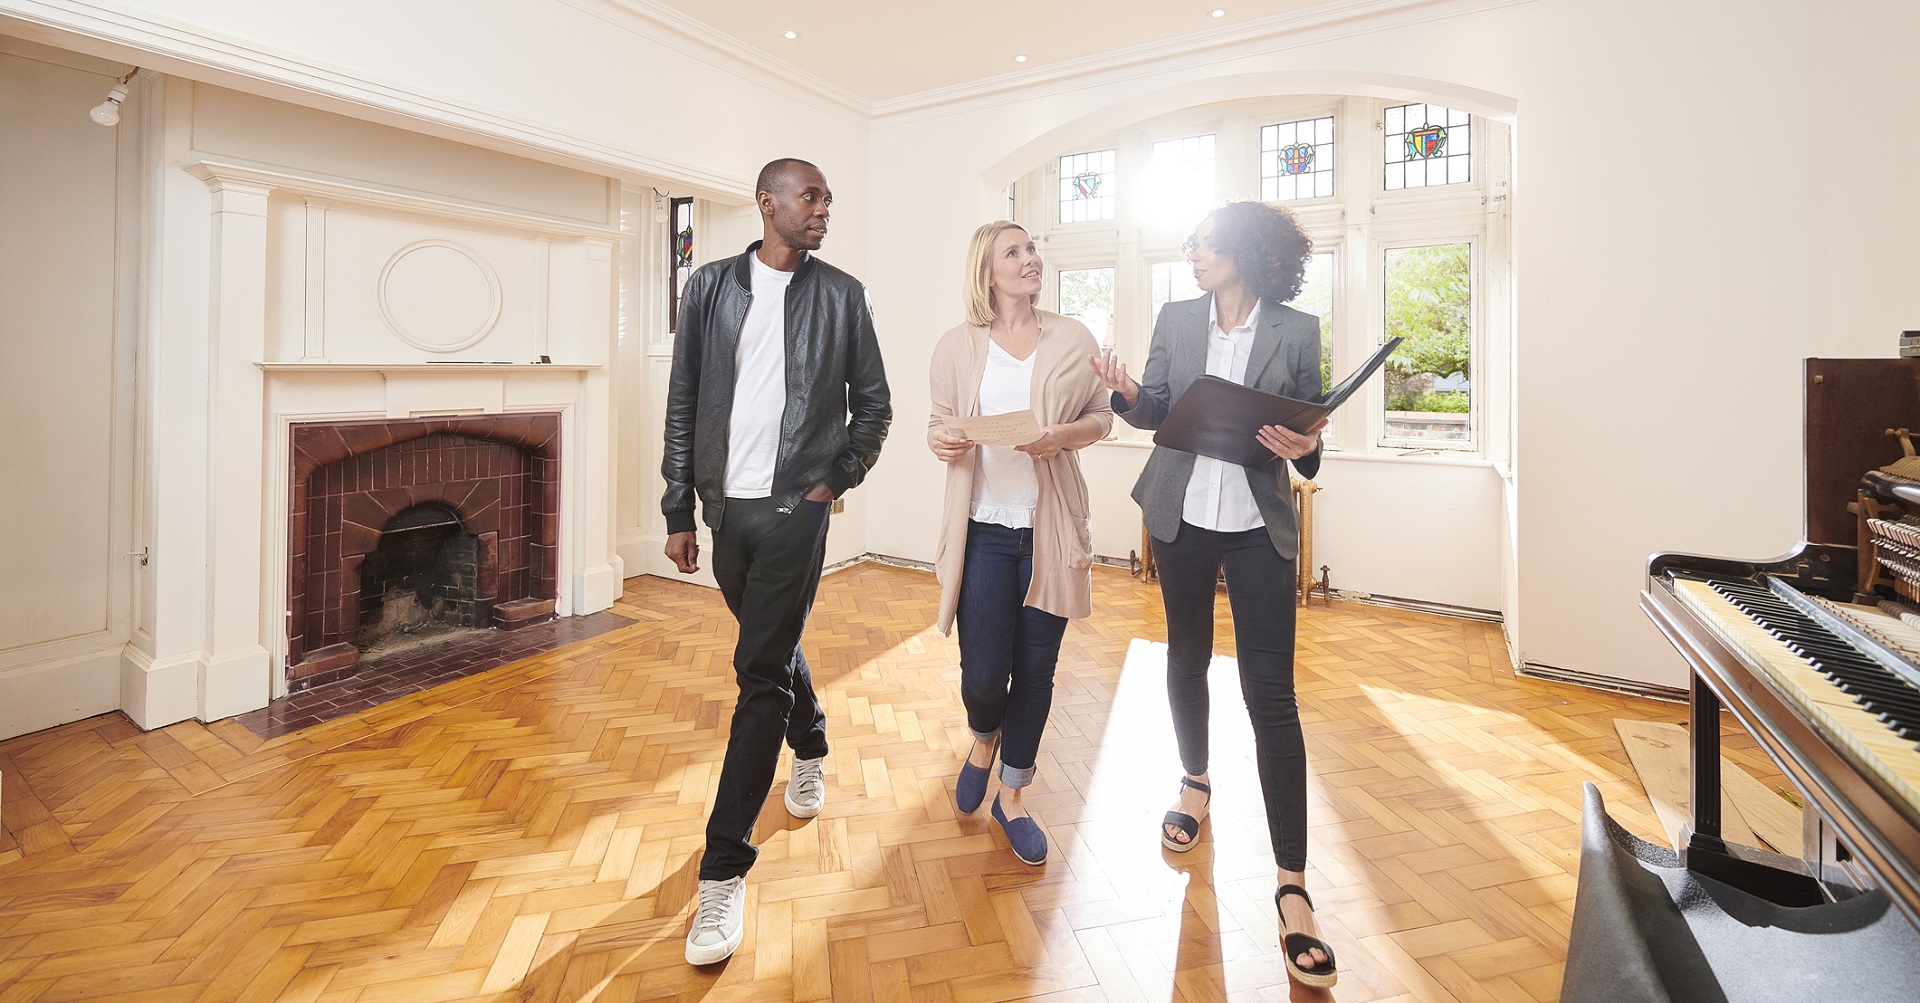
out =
column 776, row 406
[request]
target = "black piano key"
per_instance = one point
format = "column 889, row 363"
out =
column 1892, row 701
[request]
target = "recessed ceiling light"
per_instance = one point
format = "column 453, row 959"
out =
column 1218, row 12
column 795, row 34
column 1021, row 58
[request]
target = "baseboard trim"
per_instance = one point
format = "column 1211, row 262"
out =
column 1555, row 674
column 1425, row 606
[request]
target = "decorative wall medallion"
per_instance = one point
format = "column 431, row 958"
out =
column 439, row 296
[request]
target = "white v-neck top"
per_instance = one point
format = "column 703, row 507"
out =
column 1004, row 487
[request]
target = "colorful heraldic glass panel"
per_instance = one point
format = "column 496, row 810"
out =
column 1086, row 187
column 1296, row 160
column 1429, row 381
column 1181, row 187
column 1427, row 145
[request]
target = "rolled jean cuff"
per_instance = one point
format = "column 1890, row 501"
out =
column 1010, row 777
column 984, row 737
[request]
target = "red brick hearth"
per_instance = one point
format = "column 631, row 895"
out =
column 499, row 474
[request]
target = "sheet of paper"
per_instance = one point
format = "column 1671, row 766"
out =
column 1015, row 429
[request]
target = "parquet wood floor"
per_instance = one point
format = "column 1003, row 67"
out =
column 532, row 832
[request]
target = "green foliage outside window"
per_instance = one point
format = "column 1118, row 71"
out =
column 1428, row 299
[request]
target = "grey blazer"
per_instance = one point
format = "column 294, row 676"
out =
column 1285, row 360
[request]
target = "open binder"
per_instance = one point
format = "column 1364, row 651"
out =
column 1219, row 418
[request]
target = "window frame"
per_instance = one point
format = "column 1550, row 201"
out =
column 1357, row 224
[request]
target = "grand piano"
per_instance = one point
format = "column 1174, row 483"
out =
column 1817, row 653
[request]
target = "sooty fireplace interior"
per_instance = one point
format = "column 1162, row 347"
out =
column 405, row 532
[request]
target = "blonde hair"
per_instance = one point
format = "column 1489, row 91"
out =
column 976, row 293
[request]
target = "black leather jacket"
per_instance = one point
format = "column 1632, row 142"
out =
column 837, row 407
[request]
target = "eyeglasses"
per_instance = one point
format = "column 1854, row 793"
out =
column 1192, row 244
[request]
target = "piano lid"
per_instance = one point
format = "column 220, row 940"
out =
column 1850, row 404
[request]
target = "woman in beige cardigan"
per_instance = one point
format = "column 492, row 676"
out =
column 1015, row 549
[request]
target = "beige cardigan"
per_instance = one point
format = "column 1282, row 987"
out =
column 1065, row 389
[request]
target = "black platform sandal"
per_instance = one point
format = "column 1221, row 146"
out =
column 1320, row 976
column 1184, row 822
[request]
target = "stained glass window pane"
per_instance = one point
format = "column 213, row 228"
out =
column 1427, row 145
column 679, row 254
column 1172, row 280
column 1429, row 299
column 1086, row 187
column 1181, row 187
column 1296, row 160
column 1086, row 294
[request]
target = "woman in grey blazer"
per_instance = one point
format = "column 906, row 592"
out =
column 1206, row 515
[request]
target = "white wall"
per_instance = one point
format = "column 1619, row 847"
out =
column 1863, row 143
column 66, row 378
column 560, row 110
column 1663, row 290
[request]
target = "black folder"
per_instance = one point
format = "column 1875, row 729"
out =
column 1219, row 418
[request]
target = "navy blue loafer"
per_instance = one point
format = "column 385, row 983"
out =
column 1024, row 835
column 971, row 788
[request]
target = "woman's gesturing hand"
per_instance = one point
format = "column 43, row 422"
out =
column 1113, row 373
column 1283, row 441
column 949, row 445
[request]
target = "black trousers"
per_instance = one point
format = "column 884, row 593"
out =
column 768, row 565
column 1261, row 587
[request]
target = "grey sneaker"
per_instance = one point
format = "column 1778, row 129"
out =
column 806, row 788
column 718, row 921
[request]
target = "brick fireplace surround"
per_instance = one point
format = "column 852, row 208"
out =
column 500, row 474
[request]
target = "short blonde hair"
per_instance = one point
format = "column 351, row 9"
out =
column 977, row 292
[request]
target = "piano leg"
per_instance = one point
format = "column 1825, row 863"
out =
column 1703, row 710
column 1779, row 879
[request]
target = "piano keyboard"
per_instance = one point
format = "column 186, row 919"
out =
column 1856, row 703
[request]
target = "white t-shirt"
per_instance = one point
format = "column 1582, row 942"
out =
column 1218, row 496
column 1004, row 488
column 759, row 386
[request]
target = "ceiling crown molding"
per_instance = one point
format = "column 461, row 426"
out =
column 196, row 53
column 1335, row 19
column 652, row 20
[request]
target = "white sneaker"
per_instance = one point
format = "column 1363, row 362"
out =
column 718, row 921
column 806, row 788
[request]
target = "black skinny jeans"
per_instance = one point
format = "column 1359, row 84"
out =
column 1261, row 586
column 767, row 563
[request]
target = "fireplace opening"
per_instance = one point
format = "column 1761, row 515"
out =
column 420, row 584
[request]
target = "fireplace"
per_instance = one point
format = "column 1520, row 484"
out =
column 405, row 532
column 421, row 582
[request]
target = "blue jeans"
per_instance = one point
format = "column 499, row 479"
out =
column 1007, row 648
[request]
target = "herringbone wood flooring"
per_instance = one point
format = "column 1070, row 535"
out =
column 532, row 832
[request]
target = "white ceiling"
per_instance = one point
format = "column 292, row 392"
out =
column 885, row 49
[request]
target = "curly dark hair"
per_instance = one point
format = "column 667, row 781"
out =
column 1266, row 244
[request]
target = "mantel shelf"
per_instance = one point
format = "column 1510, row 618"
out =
column 422, row 367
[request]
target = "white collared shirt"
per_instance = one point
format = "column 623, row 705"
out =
column 1218, row 495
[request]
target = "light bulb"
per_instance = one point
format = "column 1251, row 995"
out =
column 108, row 112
